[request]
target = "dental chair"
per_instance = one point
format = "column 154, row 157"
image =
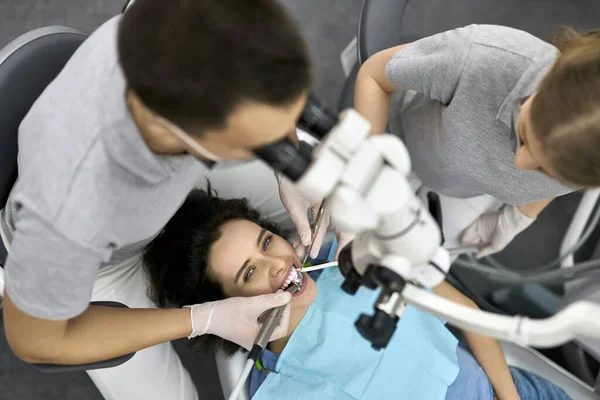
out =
column 582, row 355
column 27, row 65
column 388, row 23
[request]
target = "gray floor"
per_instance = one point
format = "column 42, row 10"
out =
column 327, row 31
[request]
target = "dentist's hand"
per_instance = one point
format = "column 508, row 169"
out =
column 492, row 232
column 298, row 207
column 342, row 238
column 236, row 318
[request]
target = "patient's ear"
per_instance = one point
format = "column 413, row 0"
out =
column 156, row 135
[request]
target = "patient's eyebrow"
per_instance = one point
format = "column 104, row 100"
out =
column 260, row 237
column 245, row 264
column 239, row 273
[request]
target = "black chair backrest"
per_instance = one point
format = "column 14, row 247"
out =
column 387, row 23
column 379, row 26
column 27, row 65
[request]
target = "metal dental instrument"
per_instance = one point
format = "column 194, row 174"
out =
column 315, row 230
column 271, row 319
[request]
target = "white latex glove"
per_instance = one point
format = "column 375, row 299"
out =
column 236, row 318
column 492, row 232
column 297, row 206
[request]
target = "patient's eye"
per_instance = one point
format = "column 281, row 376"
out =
column 248, row 274
column 267, row 242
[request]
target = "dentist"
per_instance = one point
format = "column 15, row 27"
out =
column 109, row 152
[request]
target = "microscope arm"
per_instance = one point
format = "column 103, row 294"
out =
column 397, row 248
column 578, row 319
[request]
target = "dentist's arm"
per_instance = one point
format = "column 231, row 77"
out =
column 487, row 351
column 373, row 90
column 101, row 333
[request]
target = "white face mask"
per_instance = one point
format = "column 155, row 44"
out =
column 184, row 137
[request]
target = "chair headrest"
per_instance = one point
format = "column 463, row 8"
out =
column 27, row 65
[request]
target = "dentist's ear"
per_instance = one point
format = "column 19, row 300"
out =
column 155, row 133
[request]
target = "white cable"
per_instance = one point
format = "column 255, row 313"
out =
column 457, row 251
column 581, row 318
column 4, row 239
column 239, row 385
column 320, row 266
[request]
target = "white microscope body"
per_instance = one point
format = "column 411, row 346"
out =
column 397, row 247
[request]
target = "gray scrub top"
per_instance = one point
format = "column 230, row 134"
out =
column 90, row 192
column 457, row 115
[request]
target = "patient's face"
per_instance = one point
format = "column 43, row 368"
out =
column 249, row 260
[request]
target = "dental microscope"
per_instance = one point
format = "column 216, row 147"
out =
column 397, row 249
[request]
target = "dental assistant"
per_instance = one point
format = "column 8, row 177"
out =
column 492, row 110
column 107, row 155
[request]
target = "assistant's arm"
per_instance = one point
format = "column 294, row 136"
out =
column 373, row 89
column 487, row 351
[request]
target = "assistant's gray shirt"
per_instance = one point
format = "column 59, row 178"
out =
column 456, row 118
column 90, row 192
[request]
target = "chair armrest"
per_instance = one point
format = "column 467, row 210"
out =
column 531, row 360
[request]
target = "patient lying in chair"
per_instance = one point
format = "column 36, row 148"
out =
column 214, row 248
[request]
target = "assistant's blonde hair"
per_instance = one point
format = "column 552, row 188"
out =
column 565, row 112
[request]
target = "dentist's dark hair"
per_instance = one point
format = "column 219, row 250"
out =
column 177, row 259
column 194, row 61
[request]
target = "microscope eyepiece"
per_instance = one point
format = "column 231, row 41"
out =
column 284, row 156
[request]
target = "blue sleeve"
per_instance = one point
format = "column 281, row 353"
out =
column 257, row 377
column 268, row 360
column 470, row 379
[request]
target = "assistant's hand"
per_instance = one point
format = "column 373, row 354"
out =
column 236, row 318
column 297, row 206
column 492, row 232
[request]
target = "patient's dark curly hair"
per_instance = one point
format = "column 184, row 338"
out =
column 177, row 259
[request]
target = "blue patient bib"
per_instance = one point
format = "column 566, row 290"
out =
column 326, row 357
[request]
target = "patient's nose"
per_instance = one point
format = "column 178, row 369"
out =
column 278, row 266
